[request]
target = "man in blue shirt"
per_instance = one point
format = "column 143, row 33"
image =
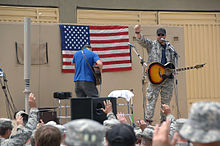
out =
column 84, row 78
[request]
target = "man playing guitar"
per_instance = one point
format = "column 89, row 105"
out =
column 161, row 51
column 85, row 81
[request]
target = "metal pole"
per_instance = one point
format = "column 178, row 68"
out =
column 177, row 102
column 27, row 59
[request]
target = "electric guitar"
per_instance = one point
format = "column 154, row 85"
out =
column 158, row 73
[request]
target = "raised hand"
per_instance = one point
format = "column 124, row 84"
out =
column 165, row 109
column 108, row 107
column 142, row 124
column 32, row 101
column 121, row 118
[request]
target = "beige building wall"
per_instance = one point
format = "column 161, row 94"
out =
column 47, row 79
column 201, row 39
column 202, row 46
column 37, row 14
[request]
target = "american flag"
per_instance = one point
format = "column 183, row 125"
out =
column 109, row 42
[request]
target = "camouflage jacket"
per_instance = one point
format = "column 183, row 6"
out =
column 172, row 125
column 23, row 134
column 111, row 121
column 154, row 50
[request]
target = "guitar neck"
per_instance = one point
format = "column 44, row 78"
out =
column 185, row 68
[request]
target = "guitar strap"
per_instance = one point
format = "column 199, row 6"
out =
column 89, row 64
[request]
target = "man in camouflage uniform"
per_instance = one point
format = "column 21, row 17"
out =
column 158, row 51
column 202, row 127
column 23, row 134
column 145, row 132
column 84, row 132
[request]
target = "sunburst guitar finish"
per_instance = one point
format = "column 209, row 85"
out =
column 158, row 73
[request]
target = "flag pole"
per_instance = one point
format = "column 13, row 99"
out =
column 27, row 59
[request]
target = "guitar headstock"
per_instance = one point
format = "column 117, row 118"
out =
column 199, row 66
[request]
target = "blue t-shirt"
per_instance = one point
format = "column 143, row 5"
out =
column 163, row 58
column 82, row 69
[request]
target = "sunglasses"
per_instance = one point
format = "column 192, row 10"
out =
column 160, row 34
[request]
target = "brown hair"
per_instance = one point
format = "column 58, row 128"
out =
column 47, row 136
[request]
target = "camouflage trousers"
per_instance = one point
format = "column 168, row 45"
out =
column 166, row 90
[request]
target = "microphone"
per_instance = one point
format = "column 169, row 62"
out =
column 131, row 45
column 162, row 39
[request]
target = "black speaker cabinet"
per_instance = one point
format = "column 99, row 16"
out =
column 90, row 108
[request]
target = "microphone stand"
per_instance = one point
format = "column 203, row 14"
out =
column 9, row 103
column 176, row 94
column 176, row 81
column 144, row 64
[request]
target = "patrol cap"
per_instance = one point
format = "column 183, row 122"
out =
column 87, row 46
column 6, row 123
column 121, row 135
column 179, row 124
column 203, row 123
column 84, row 132
column 161, row 31
column 148, row 134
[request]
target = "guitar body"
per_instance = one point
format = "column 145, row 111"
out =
column 158, row 72
column 98, row 75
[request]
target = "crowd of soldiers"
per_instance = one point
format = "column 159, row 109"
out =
column 201, row 128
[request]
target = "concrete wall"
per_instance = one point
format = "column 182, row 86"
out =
column 48, row 78
column 68, row 8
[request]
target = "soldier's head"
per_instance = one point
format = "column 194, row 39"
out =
column 84, row 132
column 5, row 127
column 47, row 135
column 161, row 34
column 203, row 126
column 60, row 127
column 121, row 135
column 88, row 47
column 147, row 136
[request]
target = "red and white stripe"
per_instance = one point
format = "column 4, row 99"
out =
column 111, row 44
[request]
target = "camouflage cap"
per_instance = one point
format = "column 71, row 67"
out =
column 179, row 124
column 203, row 123
column 148, row 133
column 84, row 132
column 6, row 123
column 138, row 132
